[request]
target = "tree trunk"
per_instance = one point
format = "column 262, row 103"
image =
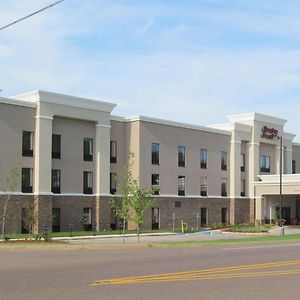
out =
column 138, row 233
column 124, row 223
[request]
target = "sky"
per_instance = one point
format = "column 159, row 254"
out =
column 193, row 61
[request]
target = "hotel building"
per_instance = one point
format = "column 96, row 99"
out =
column 70, row 152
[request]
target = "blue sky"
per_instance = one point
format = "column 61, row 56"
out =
column 190, row 61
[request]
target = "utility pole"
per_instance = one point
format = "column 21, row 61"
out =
column 280, row 189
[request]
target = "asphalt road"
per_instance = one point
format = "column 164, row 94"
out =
column 219, row 272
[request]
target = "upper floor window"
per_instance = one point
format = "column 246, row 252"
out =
column 113, row 152
column 27, row 143
column 243, row 162
column 203, row 158
column 265, row 163
column 113, row 183
column 293, row 167
column 181, row 156
column 88, row 182
column 88, row 149
column 155, row 183
column 203, row 186
column 55, row 182
column 27, row 178
column 224, row 187
column 56, row 146
column 243, row 187
column 155, row 153
column 181, row 185
column 223, row 160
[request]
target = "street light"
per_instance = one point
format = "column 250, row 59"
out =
column 280, row 188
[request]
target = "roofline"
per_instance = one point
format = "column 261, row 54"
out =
column 169, row 123
column 254, row 116
column 57, row 98
column 11, row 101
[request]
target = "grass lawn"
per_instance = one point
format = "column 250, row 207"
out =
column 253, row 240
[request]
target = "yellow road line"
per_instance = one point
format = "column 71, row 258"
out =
column 209, row 277
column 171, row 276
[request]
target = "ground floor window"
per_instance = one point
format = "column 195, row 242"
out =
column 224, row 215
column 55, row 219
column 204, row 217
column 155, row 218
column 86, row 219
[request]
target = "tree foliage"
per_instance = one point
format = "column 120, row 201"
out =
column 135, row 200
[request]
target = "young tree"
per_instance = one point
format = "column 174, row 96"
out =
column 11, row 183
column 135, row 200
column 141, row 201
column 122, row 207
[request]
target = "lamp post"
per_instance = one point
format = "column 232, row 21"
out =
column 280, row 188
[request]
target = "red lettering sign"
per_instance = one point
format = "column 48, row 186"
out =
column 269, row 133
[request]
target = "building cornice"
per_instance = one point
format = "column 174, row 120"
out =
column 67, row 100
column 169, row 123
column 11, row 101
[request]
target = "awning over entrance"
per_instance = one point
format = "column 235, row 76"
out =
column 267, row 199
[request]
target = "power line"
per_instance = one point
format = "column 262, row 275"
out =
column 32, row 14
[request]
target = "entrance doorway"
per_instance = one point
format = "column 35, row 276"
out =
column 285, row 214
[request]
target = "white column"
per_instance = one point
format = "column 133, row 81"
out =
column 259, row 209
column 235, row 168
column 42, row 154
column 277, row 159
column 288, row 157
column 253, row 166
column 102, row 150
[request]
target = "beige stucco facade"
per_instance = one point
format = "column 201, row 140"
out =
column 238, row 192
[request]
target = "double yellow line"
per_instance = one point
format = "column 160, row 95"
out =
column 241, row 271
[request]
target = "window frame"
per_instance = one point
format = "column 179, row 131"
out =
column 181, row 192
column 155, row 154
column 181, row 161
column 88, row 189
column 265, row 163
column 155, row 183
column 224, row 161
column 27, row 151
column 56, row 154
column 56, row 189
column 90, row 149
column 25, row 188
column 203, row 160
column 113, row 152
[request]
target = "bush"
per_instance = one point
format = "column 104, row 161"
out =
column 46, row 236
column 6, row 238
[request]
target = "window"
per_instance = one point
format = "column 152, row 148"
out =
column 203, row 216
column 224, row 187
column 155, row 218
column 181, row 185
column 243, row 162
column 88, row 149
column 113, row 183
column 55, row 219
column 243, row 187
column 223, row 160
column 87, row 218
column 88, row 182
column 265, row 163
column 181, row 156
column 293, row 167
column 113, row 152
column 27, row 143
column 56, row 146
column 224, row 215
column 27, row 180
column 203, row 186
column 155, row 154
column 203, row 158
column 55, row 182
column 155, row 183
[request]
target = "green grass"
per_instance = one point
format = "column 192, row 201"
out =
column 256, row 240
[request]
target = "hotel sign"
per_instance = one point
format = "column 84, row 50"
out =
column 269, row 133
